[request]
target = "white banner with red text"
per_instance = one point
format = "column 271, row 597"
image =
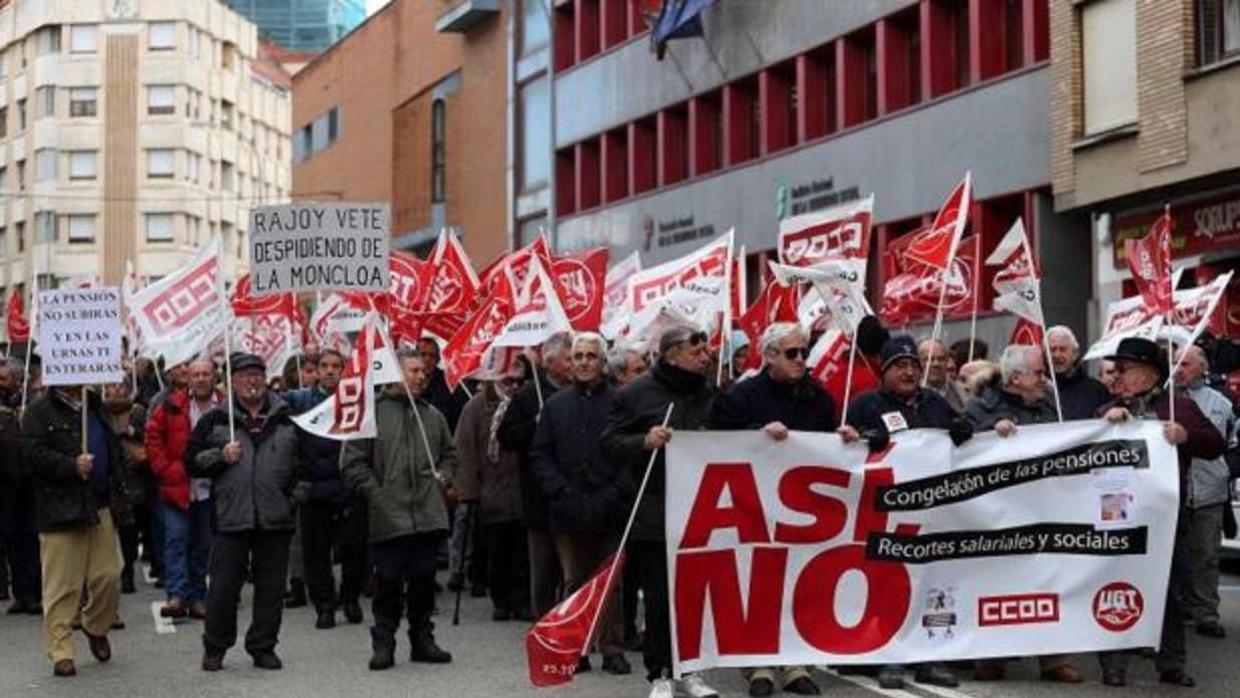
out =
column 1056, row 540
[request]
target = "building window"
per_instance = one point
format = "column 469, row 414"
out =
column 44, row 101
column 83, row 164
column 439, row 163
column 162, row 36
column 159, row 227
column 535, row 28
column 161, row 99
column 19, row 230
column 333, row 126
column 83, row 38
column 160, row 163
column 21, row 115
column 3, row 178
column 47, row 41
column 83, row 101
column 21, row 175
column 227, row 114
column 45, row 226
column 4, row 122
column 1218, row 30
column 195, row 42
column 228, row 179
column 44, row 164
column 195, row 165
column 1109, row 36
column 228, row 55
column 81, row 228
column 534, row 120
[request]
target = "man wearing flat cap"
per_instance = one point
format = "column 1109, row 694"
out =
column 1141, row 372
column 901, row 403
column 252, row 477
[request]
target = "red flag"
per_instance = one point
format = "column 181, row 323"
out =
column 936, row 246
column 842, row 231
column 912, row 294
column 556, row 643
column 451, row 287
column 244, row 303
column 581, row 281
column 828, row 364
column 517, row 264
column 464, row 352
column 1026, row 332
column 1149, row 260
column 16, row 325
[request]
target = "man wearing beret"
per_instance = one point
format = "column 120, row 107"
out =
column 1141, row 372
column 252, row 477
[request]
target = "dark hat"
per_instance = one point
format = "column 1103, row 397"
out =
column 1142, row 351
column 241, row 361
column 899, row 347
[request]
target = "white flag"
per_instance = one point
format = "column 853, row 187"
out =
column 539, row 313
column 349, row 413
column 181, row 314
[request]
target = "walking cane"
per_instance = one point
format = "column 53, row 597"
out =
column 471, row 520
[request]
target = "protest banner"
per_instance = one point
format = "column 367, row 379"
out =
column 80, row 333
column 1057, row 539
column 319, row 247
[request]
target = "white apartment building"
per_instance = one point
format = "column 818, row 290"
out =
column 133, row 130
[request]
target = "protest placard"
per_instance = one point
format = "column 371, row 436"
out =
column 319, row 247
column 80, row 334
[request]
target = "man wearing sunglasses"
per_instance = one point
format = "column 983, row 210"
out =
column 782, row 397
column 587, row 492
column 635, row 429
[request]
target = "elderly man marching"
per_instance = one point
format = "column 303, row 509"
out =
column 1141, row 376
column 399, row 475
column 1018, row 396
column 780, row 398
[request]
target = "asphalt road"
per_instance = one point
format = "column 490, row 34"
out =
column 489, row 661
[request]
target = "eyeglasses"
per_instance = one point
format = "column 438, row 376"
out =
column 696, row 339
column 512, row 380
column 793, row 353
column 585, row 356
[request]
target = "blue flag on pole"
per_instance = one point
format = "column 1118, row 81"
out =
column 679, row 19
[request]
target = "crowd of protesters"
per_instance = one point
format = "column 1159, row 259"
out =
column 519, row 487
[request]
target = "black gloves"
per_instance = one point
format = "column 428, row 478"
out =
column 960, row 431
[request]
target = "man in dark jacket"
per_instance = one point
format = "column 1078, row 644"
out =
column 252, row 476
column 1141, row 374
column 588, row 492
column 1017, row 396
column 516, row 434
column 330, row 515
column 448, row 402
column 901, row 403
column 400, row 474
column 635, row 430
column 782, row 397
column 19, row 536
column 1080, row 396
column 77, row 540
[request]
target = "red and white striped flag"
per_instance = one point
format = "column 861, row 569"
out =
column 350, row 412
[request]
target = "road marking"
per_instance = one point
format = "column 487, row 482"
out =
column 1229, row 589
column 146, row 572
column 163, row 626
column 871, row 684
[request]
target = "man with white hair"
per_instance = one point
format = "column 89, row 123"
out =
column 1018, row 395
column 780, row 398
column 624, row 363
column 588, row 493
column 1080, row 396
column 1207, row 496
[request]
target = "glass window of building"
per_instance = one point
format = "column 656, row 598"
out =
column 47, row 40
column 162, row 36
column 159, row 227
column 45, row 164
column 160, row 163
column 83, row 38
column 80, row 228
column 83, row 164
column 228, row 176
column 161, row 99
column 83, row 101
column 535, row 27
column 45, row 226
column 1109, row 48
column 534, row 124
column 439, row 162
column 44, row 101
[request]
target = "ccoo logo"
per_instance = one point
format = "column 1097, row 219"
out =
column 1118, row 606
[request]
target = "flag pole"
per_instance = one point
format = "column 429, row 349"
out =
column 848, row 377
column 413, row 403
column 34, row 326
column 232, row 421
column 85, row 423
column 624, row 538
column 1170, row 316
column 938, row 323
column 977, row 285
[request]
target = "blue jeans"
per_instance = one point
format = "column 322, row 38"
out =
column 187, row 545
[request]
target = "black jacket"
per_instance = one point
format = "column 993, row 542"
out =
column 996, row 404
column 51, row 443
column 516, row 434
column 927, row 410
column 256, row 492
column 319, row 457
column 449, row 402
column 641, row 405
column 586, row 491
column 12, row 473
column 1080, row 396
column 757, row 401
